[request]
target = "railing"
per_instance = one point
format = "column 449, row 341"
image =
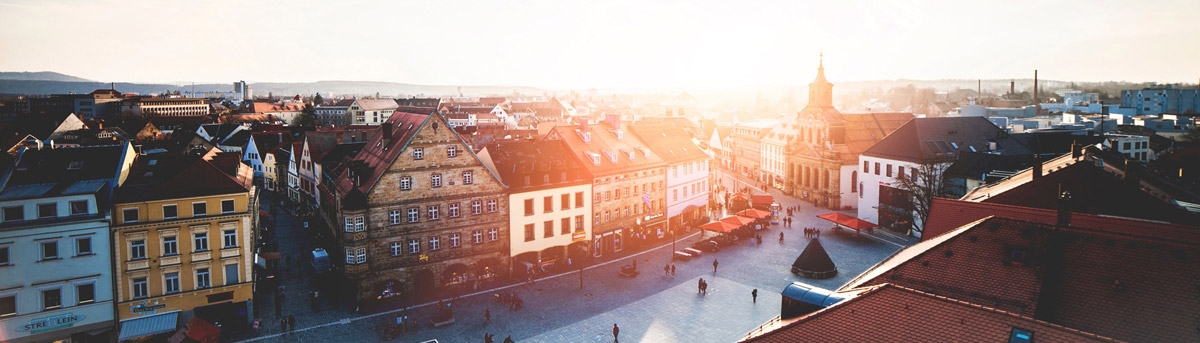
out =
column 770, row 324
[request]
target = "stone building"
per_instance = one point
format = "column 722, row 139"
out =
column 824, row 152
column 629, row 185
column 418, row 212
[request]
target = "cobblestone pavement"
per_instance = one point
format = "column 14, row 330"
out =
column 650, row 307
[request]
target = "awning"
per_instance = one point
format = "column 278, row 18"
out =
column 755, row 213
column 762, row 200
column 719, row 226
column 737, row 220
column 847, row 221
column 148, row 326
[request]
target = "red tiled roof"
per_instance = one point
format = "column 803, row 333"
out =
column 891, row 313
column 946, row 215
column 377, row 157
column 266, row 107
column 377, row 104
column 1062, row 274
column 863, row 130
column 604, row 140
column 671, row 143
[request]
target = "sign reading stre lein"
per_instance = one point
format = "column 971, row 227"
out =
column 51, row 323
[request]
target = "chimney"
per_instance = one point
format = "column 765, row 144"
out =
column 1012, row 87
column 1130, row 174
column 1036, row 104
column 1064, row 209
column 1076, row 149
column 112, row 86
column 1037, row 167
column 387, row 134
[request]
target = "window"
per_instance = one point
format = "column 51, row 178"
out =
column 548, row 229
column 468, row 177
column 140, row 288
column 14, row 213
column 607, row 195
column 548, row 204
column 4, row 258
column 434, row 243
column 578, row 199
column 566, row 226
column 1126, row 145
column 477, row 236
column 230, row 238
column 889, row 170
column 435, row 180
column 199, row 209
column 528, row 207
column 528, row 232
column 397, row 248
column 129, row 215
column 493, row 234
column 170, row 212
column 202, row 278
column 597, row 219
column 1020, row 335
column 49, row 210
column 578, row 223
column 876, row 168
column 8, row 305
column 51, row 298
column 452, row 152
column 171, row 282
column 79, row 207
column 49, row 250
column 900, row 172
column 433, row 212
column 227, row 206
column 414, row 246
column 85, row 293
column 405, row 183
column 455, row 240
column 200, row 242
column 412, row 215
column 476, row 207
column 492, row 206
column 231, row 274
column 359, row 224
column 394, row 217
column 170, row 246
column 453, row 209
column 137, row 249
column 83, row 246
column 418, row 153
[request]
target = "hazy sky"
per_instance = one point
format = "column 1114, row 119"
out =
column 581, row 44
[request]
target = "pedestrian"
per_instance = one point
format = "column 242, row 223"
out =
column 714, row 266
column 616, row 331
column 487, row 338
column 667, row 269
column 672, row 269
column 781, row 237
column 291, row 323
column 508, row 339
column 282, row 324
column 754, row 296
column 312, row 299
column 487, row 316
column 704, row 288
column 700, row 286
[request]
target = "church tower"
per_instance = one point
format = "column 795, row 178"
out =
column 820, row 91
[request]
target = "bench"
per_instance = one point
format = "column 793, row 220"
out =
column 681, row 255
column 446, row 322
column 693, row 251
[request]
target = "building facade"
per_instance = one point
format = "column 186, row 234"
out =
column 55, row 270
column 371, row 111
column 419, row 212
column 1163, row 99
column 165, row 107
column 687, row 173
column 183, row 242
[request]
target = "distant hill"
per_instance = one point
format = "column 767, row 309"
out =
column 39, row 76
column 327, row 88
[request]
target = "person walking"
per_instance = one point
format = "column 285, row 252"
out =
column 700, row 286
column 754, row 296
column 667, row 269
column 291, row 323
column 282, row 324
column 487, row 316
column 487, row 338
column 714, row 266
column 672, row 270
column 616, row 331
column 508, row 339
column 781, row 237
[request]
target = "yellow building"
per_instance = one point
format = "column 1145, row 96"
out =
column 182, row 241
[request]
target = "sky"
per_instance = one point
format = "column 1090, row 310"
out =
column 601, row 44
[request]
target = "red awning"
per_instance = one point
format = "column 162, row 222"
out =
column 755, row 213
column 202, row 331
column 737, row 220
column 719, row 226
column 847, row 221
column 762, row 200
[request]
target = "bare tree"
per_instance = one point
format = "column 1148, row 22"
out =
column 924, row 182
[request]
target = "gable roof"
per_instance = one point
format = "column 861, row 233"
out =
column 62, row 171
column 516, row 160
column 604, row 142
column 377, row 104
column 892, row 313
column 268, row 107
column 376, row 157
column 671, row 143
column 165, row 176
column 944, row 137
column 946, row 215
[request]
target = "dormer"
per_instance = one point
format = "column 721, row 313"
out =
column 631, row 154
column 584, row 135
column 612, row 155
column 594, row 157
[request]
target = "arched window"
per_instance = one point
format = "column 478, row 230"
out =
column 854, row 181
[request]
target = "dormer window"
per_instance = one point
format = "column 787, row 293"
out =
column 595, row 158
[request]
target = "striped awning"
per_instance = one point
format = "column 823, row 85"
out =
column 148, row 326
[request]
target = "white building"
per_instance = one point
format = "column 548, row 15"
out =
column 1133, row 147
column 55, row 259
column 371, row 111
column 774, row 154
column 687, row 172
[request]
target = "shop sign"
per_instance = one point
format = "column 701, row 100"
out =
column 51, row 323
column 144, row 308
column 579, row 236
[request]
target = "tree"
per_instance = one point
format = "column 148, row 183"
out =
column 307, row 117
column 318, row 99
column 924, row 182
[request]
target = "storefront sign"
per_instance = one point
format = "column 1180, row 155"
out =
column 51, row 323
column 144, row 308
column 578, row 236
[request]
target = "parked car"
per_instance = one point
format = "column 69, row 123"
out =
column 707, row 246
